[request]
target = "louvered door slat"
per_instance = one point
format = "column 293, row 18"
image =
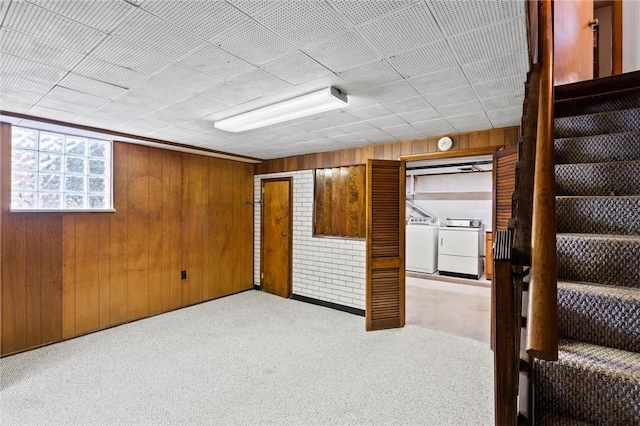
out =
column 385, row 244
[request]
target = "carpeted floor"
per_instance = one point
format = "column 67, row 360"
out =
column 252, row 358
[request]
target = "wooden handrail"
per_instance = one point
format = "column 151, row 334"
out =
column 542, row 318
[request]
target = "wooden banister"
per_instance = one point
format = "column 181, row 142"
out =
column 542, row 323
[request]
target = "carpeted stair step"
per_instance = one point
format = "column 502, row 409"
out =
column 591, row 383
column 598, row 215
column 614, row 178
column 601, row 102
column 599, row 85
column 598, row 148
column 597, row 124
column 603, row 315
column 603, row 259
column 555, row 419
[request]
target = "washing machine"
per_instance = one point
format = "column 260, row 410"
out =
column 421, row 243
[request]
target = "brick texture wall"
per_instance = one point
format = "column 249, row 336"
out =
column 328, row 269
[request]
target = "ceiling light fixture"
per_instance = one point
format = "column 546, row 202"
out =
column 303, row 106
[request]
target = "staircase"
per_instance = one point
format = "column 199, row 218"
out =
column 597, row 377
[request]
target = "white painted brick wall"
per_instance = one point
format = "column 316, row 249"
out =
column 329, row 269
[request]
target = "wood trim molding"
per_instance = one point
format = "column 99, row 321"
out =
column 616, row 39
column 452, row 154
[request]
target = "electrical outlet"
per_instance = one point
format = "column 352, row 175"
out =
column 183, row 275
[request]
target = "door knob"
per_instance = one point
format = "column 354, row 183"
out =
column 284, row 234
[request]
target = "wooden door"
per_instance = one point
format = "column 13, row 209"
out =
column 276, row 243
column 385, row 293
column 573, row 41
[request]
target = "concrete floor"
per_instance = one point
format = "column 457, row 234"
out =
column 460, row 307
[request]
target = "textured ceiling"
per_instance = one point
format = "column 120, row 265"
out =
column 170, row 69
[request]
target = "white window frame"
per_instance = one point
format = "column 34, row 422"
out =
column 37, row 191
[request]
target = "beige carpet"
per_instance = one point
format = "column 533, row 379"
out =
column 251, row 358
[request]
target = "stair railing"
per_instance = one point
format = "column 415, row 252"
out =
column 542, row 315
column 525, row 254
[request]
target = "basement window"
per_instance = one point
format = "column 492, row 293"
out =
column 52, row 171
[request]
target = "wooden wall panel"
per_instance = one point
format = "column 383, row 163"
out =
column 506, row 136
column 66, row 274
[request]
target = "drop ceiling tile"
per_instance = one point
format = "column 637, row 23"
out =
column 14, row 105
column 15, row 95
column 370, row 112
column 391, row 92
column 87, row 120
column 27, row 47
column 52, row 103
column 405, row 131
column 516, row 64
column 338, row 118
column 205, row 19
column 40, row 23
column 423, row 60
column 199, row 125
column 196, row 106
column 509, row 85
column 413, row 103
column 26, row 70
column 435, row 127
column 402, row 30
column 173, row 133
column 149, row 32
column 252, row 7
column 329, row 132
column 451, row 96
column 371, row 75
column 253, row 43
column 311, row 125
column 497, row 40
column 159, row 91
column 302, row 22
column 188, row 78
column 141, row 126
column 210, row 59
column 121, row 53
column 91, row 86
column 357, row 127
column 384, row 122
column 68, row 95
column 124, row 108
column 17, row 85
column 4, row 5
column 502, row 102
column 441, row 80
column 345, row 51
column 101, row 15
column 375, row 136
column 358, row 12
column 296, row 68
column 463, row 108
column 244, row 87
column 457, row 17
column 506, row 122
column 55, row 114
column 512, row 112
column 165, row 116
column 472, row 122
column 420, row 115
column 109, row 73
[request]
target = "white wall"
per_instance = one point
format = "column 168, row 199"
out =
column 462, row 195
column 630, row 35
column 328, row 269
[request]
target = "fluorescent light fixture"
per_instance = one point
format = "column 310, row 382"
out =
column 303, row 106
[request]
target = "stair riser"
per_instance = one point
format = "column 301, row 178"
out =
column 599, row 103
column 603, row 261
column 586, row 396
column 600, row 85
column 618, row 216
column 598, row 179
column 597, row 124
column 593, row 318
column 598, row 149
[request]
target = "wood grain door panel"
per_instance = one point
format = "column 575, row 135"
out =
column 276, row 236
column 573, row 41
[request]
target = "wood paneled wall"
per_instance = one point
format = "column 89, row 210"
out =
column 340, row 202
column 506, row 136
column 64, row 275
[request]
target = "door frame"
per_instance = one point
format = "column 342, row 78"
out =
column 262, row 184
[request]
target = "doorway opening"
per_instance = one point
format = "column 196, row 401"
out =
column 448, row 222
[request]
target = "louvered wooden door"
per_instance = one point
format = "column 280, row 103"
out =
column 504, row 181
column 385, row 244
